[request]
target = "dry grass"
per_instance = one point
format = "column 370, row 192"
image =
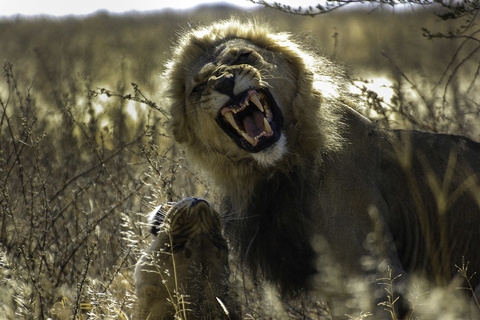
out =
column 78, row 171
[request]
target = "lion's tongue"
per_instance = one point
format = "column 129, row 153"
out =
column 254, row 124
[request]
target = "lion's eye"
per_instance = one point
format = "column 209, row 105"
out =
column 178, row 247
column 198, row 88
column 244, row 56
column 175, row 248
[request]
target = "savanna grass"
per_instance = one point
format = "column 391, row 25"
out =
column 78, row 171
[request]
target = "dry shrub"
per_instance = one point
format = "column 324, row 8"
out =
column 78, row 174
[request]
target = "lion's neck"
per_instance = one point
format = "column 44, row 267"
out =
column 273, row 222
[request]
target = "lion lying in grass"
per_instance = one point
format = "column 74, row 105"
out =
column 313, row 189
column 185, row 274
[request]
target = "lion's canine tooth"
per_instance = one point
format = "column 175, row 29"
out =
column 250, row 140
column 268, row 129
column 257, row 102
column 231, row 120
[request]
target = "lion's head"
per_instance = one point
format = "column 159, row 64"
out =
column 243, row 92
column 186, row 266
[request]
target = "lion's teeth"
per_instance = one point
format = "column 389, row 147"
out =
column 268, row 129
column 257, row 102
column 268, row 114
column 260, row 135
column 250, row 140
column 231, row 120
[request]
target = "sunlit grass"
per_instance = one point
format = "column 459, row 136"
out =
column 79, row 167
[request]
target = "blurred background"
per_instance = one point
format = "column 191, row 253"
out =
column 84, row 155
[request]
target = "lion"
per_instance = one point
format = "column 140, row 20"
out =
column 184, row 274
column 313, row 188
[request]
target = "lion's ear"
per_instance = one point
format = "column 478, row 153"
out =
column 178, row 123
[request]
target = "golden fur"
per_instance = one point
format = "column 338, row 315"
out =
column 323, row 180
column 185, row 269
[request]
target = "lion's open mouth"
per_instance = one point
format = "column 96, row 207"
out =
column 252, row 119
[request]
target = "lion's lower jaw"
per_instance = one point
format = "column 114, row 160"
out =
column 272, row 154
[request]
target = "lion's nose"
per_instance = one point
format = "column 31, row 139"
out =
column 225, row 84
column 197, row 201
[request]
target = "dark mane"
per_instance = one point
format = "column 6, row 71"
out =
column 271, row 236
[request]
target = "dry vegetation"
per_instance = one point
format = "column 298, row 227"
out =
column 84, row 154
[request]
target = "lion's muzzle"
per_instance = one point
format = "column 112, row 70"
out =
column 252, row 119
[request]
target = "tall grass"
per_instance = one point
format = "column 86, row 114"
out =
column 71, row 194
column 84, row 154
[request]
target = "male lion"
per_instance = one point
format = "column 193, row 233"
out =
column 184, row 273
column 314, row 189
